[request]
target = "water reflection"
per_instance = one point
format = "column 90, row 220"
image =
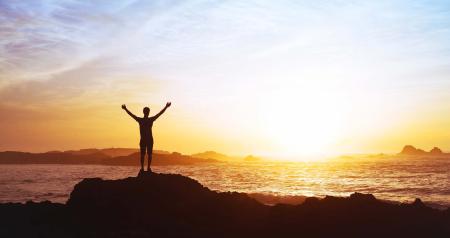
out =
column 387, row 178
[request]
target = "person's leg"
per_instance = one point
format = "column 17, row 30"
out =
column 143, row 147
column 149, row 154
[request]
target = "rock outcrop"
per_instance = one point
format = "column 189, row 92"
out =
column 167, row 205
column 436, row 151
column 411, row 150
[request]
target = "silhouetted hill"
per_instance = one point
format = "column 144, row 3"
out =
column 436, row 151
column 213, row 155
column 158, row 159
column 411, row 150
column 96, row 156
column 112, row 152
column 223, row 157
column 164, row 205
column 16, row 157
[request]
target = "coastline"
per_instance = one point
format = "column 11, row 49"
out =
column 170, row 205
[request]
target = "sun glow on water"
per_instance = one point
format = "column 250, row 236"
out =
column 387, row 178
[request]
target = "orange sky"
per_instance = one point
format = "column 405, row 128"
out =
column 303, row 80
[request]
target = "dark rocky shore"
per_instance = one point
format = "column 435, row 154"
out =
column 163, row 205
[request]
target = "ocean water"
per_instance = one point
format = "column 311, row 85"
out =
column 394, row 179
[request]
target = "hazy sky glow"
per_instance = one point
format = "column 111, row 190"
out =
column 276, row 78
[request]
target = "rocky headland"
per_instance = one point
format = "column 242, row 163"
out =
column 170, row 205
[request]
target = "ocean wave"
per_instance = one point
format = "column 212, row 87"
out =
column 289, row 184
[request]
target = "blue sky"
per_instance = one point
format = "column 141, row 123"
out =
column 371, row 64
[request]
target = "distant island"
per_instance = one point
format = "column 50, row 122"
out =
column 130, row 156
column 223, row 157
column 115, row 156
column 411, row 150
column 108, row 156
column 213, row 155
column 170, row 205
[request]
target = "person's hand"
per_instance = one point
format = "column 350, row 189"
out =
column 168, row 104
column 124, row 106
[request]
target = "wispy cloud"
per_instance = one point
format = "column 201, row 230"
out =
column 211, row 53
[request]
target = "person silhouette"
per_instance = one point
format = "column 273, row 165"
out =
column 145, row 129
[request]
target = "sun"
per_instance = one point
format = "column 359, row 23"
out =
column 302, row 123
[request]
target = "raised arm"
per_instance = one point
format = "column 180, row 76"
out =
column 124, row 107
column 162, row 111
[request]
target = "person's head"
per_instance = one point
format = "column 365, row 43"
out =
column 146, row 111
